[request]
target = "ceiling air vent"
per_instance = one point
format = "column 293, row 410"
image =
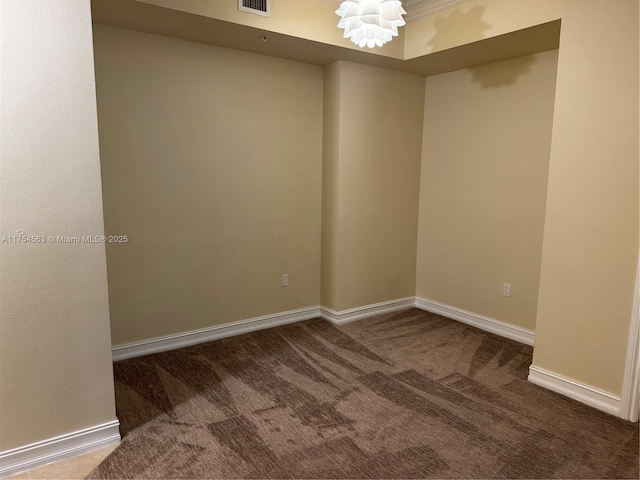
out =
column 259, row 7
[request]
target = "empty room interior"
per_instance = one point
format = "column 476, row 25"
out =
column 237, row 243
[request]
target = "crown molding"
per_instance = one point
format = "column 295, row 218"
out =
column 421, row 8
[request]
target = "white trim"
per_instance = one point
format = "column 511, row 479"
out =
column 421, row 8
column 586, row 394
column 242, row 8
column 513, row 332
column 58, row 448
column 353, row 314
column 185, row 339
column 630, row 403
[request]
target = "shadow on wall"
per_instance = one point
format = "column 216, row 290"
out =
column 459, row 28
column 491, row 77
column 462, row 27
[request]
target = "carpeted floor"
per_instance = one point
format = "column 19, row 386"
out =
column 405, row 395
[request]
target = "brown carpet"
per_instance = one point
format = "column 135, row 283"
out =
column 404, row 395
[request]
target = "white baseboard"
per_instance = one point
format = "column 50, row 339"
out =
column 76, row 443
column 513, row 332
column 353, row 314
column 171, row 342
column 586, row 394
column 194, row 337
column 185, row 339
column 630, row 402
column 58, row 448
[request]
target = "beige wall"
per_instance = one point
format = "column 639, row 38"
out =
column 55, row 349
column 485, row 164
column 373, row 182
column 315, row 20
column 330, row 185
column 590, row 243
column 55, row 371
column 591, row 229
column 211, row 162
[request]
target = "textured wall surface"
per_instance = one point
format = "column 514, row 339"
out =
column 330, row 184
column 55, row 348
column 373, row 178
column 485, row 164
column 211, row 162
column 55, row 372
column 590, row 243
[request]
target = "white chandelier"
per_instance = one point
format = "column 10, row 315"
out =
column 371, row 22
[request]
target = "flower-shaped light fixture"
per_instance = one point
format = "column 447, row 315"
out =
column 371, row 22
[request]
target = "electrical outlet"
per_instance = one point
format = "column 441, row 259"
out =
column 506, row 290
column 285, row 279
